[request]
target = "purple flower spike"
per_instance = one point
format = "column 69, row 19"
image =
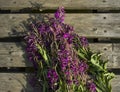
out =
column 69, row 37
column 41, row 28
column 52, row 77
column 84, row 41
column 82, row 67
column 60, row 14
column 92, row 87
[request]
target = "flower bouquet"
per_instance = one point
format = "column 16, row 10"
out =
column 62, row 60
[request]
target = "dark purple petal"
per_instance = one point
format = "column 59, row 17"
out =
column 60, row 14
column 92, row 87
column 66, row 35
column 83, row 67
column 52, row 77
column 84, row 41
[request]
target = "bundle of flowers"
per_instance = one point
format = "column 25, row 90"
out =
column 62, row 60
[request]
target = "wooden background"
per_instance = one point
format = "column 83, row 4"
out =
column 98, row 20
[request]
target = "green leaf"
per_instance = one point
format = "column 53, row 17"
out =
column 98, row 90
column 95, row 62
column 43, row 53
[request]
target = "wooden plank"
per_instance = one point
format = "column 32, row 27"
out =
column 11, row 46
column 68, row 4
column 15, row 82
column 12, row 82
column 116, row 56
column 95, row 25
column 16, row 57
column 116, row 84
column 18, row 82
column 11, row 26
column 13, row 55
column 14, row 61
column 90, row 25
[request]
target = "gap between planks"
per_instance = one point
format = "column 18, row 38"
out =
column 22, row 5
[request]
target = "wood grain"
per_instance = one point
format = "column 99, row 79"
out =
column 11, row 82
column 89, row 25
column 13, row 55
column 116, row 84
column 19, row 82
column 68, row 4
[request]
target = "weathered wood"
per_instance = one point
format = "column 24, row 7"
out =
column 16, row 57
column 11, row 26
column 90, row 25
column 19, row 82
column 116, row 84
column 11, row 82
column 116, row 56
column 68, row 4
column 13, row 55
column 11, row 46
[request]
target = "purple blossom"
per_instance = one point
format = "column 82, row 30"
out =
column 69, row 37
column 60, row 14
column 68, row 78
column 63, row 53
column 52, row 77
column 62, row 47
column 66, row 35
column 76, row 81
column 84, row 41
column 74, row 67
column 68, row 28
column 69, row 81
column 42, row 28
column 55, row 25
column 63, row 58
column 82, row 67
column 92, row 87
